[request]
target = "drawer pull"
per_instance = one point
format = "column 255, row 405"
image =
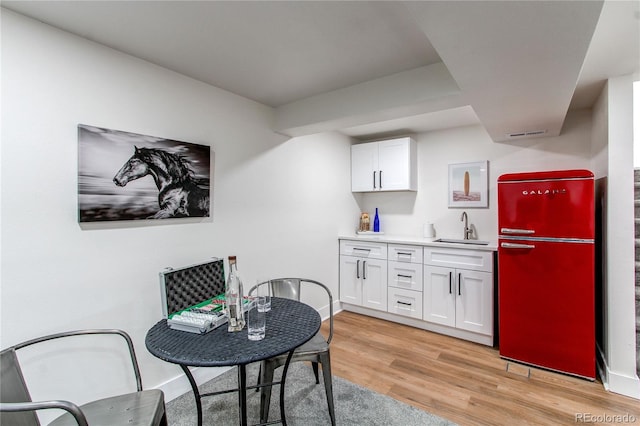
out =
column 368, row 250
column 517, row 246
column 517, row 231
column 404, row 254
column 404, row 303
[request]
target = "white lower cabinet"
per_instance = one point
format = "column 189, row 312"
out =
column 404, row 280
column 441, row 289
column 405, row 302
column 363, row 279
column 459, row 298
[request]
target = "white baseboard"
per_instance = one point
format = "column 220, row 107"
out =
column 627, row 385
column 424, row 325
column 179, row 385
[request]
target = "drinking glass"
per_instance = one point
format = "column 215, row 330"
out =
column 256, row 320
column 264, row 296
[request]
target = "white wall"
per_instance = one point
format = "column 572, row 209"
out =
column 278, row 204
column 636, row 123
column 405, row 213
column 614, row 131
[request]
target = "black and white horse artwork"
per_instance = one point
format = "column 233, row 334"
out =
column 179, row 193
column 164, row 178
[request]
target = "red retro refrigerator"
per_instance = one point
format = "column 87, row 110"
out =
column 546, row 225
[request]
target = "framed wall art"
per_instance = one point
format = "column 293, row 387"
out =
column 468, row 184
column 128, row 176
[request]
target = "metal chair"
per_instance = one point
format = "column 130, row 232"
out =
column 17, row 408
column 315, row 350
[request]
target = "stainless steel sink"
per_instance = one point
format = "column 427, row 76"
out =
column 455, row 241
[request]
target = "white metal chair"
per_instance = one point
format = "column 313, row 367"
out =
column 315, row 350
column 17, row 409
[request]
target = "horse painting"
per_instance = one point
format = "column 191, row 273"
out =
column 179, row 193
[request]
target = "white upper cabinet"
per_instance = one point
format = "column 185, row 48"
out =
column 389, row 165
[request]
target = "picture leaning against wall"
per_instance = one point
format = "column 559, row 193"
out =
column 128, row 176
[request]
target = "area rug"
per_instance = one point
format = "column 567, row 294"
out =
column 306, row 403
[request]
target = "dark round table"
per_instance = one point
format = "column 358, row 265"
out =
column 289, row 324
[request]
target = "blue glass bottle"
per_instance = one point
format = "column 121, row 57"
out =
column 376, row 222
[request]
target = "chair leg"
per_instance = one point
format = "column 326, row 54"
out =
column 315, row 371
column 325, row 360
column 259, row 374
column 266, row 376
column 163, row 420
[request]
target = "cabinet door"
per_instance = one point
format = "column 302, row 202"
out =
column 439, row 304
column 364, row 163
column 350, row 284
column 405, row 275
column 374, row 284
column 365, row 249
column 474, row 301
column 405, row 302
column 395, row 165
column 405, row 253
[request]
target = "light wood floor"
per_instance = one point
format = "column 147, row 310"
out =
column 465, row 382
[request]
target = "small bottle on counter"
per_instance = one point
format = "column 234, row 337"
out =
column 233, row 296
column 376, row 222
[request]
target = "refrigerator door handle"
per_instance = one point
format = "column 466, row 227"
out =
column 517, row 246
column 517, row 231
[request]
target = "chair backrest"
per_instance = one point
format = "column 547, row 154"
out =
column 14, row 389
column 290, row 288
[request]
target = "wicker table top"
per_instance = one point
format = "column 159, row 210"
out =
column 289, row 324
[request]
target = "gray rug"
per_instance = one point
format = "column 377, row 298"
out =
column 306, row 403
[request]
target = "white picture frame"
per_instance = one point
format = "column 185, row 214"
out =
column 468, row 185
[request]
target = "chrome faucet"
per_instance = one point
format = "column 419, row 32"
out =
column 467, row 231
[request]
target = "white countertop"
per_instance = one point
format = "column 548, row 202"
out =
column 410, row 239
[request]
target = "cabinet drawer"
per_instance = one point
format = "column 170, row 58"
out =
column 405, row 302
column 459, row 258
column 363, row 249
column 405, row 275
column 400, row 253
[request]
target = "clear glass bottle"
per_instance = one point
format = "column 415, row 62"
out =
column 233, row 296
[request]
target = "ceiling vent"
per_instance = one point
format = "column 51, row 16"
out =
column 527, row 134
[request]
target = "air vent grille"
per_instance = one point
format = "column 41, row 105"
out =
column 527, row 133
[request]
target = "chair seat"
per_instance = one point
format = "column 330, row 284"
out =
column 314, row 346
column 144, row 408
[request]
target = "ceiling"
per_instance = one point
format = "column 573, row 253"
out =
column 515, row 66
